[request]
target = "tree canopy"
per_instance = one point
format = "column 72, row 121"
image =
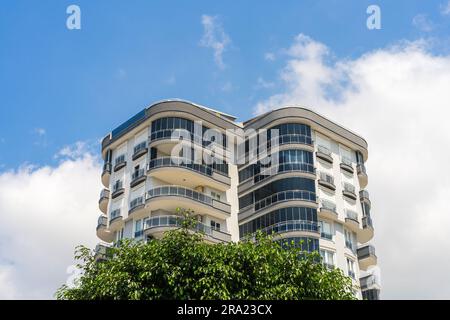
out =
column 183, row 266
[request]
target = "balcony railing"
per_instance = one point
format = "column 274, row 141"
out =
column 352, row 215
column 361, row 168
column 346, row 164
column 136, row 202
column 351, row 274
column 179, row 191
column 349, row 244
column 107, row 167
column 285, row 196
column 368, row 281
column 366, row 251
column 328, row 205
column 292, row 225
column 283, row 167
column 119, row 162
column 139, row 150
column 327, row 180
column 349, row 190
column 115, row 214
column 102, row 221
column 367, row 222
column 324, row 154
column 104, row 194
column 180, row 162
column 137, row 177
column 326, row 235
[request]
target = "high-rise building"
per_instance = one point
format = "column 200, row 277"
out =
column 177, row 154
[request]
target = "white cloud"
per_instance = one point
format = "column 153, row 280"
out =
column 214, row 37
column 40, row 131
column 45, row 212
column 263, row 84
column 269, row 56
column 397, row 98
column 422, row 23
column 445, row 9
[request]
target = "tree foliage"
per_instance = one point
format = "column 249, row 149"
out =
column 183, row 266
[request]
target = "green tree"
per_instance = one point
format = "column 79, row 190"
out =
column 183, row 266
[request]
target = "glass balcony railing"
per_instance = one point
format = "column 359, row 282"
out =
column 367, row 222
column 119, row 160
column 292, row 225
column 328, row 205
column 136, row 202
column 140, row 147
column 115, row 214
column 366, row 251
column 102, row 221
column 180, row 162
column 285, row 196
column 283, row 167
column 104, row 194
column 349, row 188
column 176, row 222
column 352, row 215
column 324, row 150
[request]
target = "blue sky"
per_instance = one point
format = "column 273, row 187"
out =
column 59, row 86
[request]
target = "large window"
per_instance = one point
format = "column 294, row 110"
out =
column 325, row 230
column 280, row 216
column 305, row 185
column 163, row 128
column 327, row 258
column 288, row 160
column 348, row 239
column 305, row 243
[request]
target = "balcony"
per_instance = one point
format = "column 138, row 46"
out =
column 328, row 210
column 346, row 165
column 349, row 191
column 103, row 201
column 157, row 226
column 177, row 171
column 327, row 181
column 140, row 150
column 136, row 205
column 303, row 226
column 366, row 233
column 115, row 219
column 366, row 257
column 370, row 287
column 119, row 163
column 171, row 197
column 102, row 252
column 324, row 154
column 351, row 220
column 300, row 197
column 137, row 178
column 362, row 175
column 117, row 189
column 106, row 174
column 102, row 231
column 364, row 197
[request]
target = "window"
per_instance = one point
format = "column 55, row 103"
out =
column 215, row 195
column 348, row 239
column 138, row 228
column 327, row 258
column 215, row 225
column 351, row 268
column 119, row 235
column 325, row 230
column 117, row 185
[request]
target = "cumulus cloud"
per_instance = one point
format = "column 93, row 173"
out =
column 214, row 37
column 269, row 56
column 397, row 98
column 44, row 213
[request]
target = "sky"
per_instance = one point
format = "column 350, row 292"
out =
column 63, row 90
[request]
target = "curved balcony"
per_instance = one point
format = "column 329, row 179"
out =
column 366, row 257
column 328, row 210
column 327, row 181
column 115, row 219
column 351, row 220
column 103, row 201
column 349, row 191
column 300, row 197
column 311, row 228
column 137, row 178
column 362, row 175
column 171, row 197
column 157, row 226
column 137, row 205
column 366, row 233
column 102, row 252
column 119, row 163
column 176, row 171
column 324, row 154
column 139, row 150
column 346, row 165
column 279, row 171
column 364, row 197
column 102, row 229
column 106, row 174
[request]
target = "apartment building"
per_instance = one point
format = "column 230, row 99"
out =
column 313, row 192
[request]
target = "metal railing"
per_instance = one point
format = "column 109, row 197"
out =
column 137, row 174
column 107, row 167
column 324, row 150
column 326, row 177
column 361, row 168
column 120, row 159
column 367, row 222
column 351, row 215
column 349, row 187
column 284, row 196
column 326, row 235
column 291, row 225
column 328, row 205
column 139, row 147
column 364, row 194
column 366, row 251
column 136, row 202
column 115, row 214
column 180, row 162
column 102, row 221
column 117, row 186
column 104, row 193
column 346, row 161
